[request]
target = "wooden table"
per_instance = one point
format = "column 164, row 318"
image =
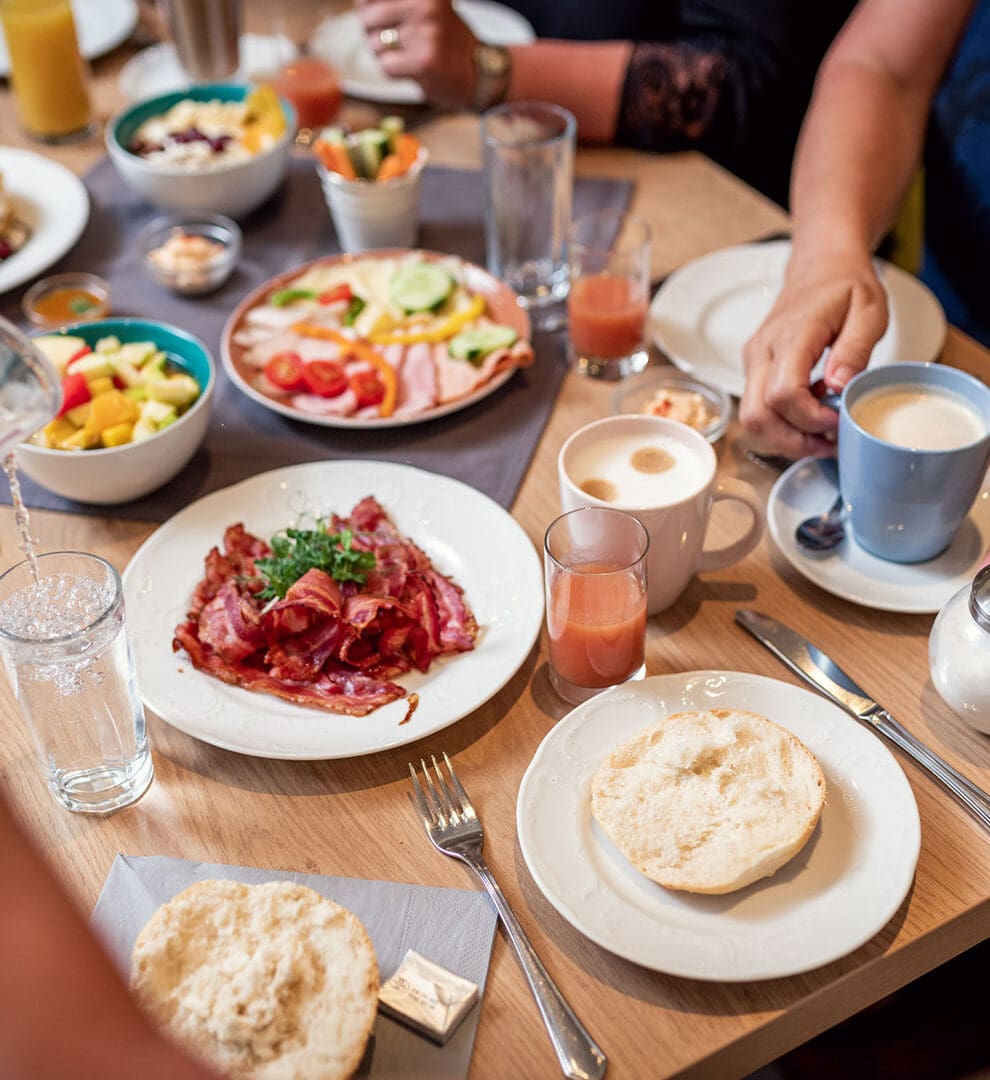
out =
column 352, row 817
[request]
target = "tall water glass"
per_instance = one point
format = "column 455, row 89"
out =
column 63, row 644
column 595, row 570
column 529, row 184
column 206, row 34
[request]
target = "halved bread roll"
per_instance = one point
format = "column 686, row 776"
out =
column 268, row 981
column 709, row 802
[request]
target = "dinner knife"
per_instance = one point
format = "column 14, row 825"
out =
column 828, row 678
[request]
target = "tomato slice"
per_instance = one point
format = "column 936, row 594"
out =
column 75, row 391
column 337, row 294
column 324, row 377
column 285, row 370
column 368, row 388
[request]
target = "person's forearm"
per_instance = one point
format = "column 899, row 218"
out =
column 584, row 77
column 864, row 132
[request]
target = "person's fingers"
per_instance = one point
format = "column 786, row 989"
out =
column 863, row 327
column 787, row 391
column 380, row 18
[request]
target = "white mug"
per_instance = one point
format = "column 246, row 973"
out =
column 674, row 504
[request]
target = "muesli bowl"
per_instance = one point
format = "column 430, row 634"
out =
column 203, row 165
column 107, row 475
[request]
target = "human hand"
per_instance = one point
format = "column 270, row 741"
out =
column 423, row 40
column 834, row 302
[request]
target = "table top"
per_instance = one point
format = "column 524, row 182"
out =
column 330, row 817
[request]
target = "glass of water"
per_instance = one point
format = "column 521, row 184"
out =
column 63, row 644
column 529, row 185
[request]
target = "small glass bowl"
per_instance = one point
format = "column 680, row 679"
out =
column 634, row 395
column 191, row 278
column 44, row 308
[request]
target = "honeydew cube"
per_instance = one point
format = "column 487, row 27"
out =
column 155, row 362
column 157, row 412
column 168, row 422
column 126, row 372
column 81, row 440
column 143, row 430
column 101, row 385
column 91, row 366
column 117, row 435
column 109, row 344
column 136, row 393
column 137, row 352
column 59, row 349
column 178, row 390
column 79, row 415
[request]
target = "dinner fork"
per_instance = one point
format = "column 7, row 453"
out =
column 454, row 828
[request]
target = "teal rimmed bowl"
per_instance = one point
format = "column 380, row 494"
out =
column 233, row 188
column 119, row 474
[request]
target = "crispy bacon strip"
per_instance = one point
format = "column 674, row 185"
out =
column 327, row 645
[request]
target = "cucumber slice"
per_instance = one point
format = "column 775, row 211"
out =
column 421, row 287
column 475, row 345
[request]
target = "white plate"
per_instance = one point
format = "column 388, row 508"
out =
column 156, row 70
column 856, row 575
column 101, row 25
column 465, row 534
column 834, row 895
column 340, row 40
column 707, row 310
column 52, row 200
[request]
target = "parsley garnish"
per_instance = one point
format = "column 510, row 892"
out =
column 295, row 551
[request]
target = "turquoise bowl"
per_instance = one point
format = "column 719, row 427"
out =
column 233, row 188
column 118, row 474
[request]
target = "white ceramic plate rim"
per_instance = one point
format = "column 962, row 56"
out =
column 851, row 572
column 705, row 285
column 466, row 534
column 835, row 895
column 351, row 422
column 340, row 40
column 101, row 25
column 52, row 200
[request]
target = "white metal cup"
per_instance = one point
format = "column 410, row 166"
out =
column 367, row 214
column 677, row 526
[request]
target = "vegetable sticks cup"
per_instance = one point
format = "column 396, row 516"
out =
column 371, row 214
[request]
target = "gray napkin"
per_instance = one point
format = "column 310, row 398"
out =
column 453, row 927
column 488, row 445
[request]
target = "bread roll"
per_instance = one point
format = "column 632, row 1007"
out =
column 269, row 981
column 708, row 802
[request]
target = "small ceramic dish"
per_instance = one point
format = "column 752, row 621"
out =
column 678, row 395
column 66, row 298
column 190, row 254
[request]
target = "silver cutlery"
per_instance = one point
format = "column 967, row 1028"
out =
column 812, row 665
column 822, row 533
column 454, row 828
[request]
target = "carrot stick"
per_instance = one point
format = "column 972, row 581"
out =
column 335, row 158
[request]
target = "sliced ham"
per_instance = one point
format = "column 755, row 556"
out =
column 344, row 404
column 417, row 380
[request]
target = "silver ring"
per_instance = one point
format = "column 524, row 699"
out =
column 389, row 38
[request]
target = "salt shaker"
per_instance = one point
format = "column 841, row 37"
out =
column 959, row 652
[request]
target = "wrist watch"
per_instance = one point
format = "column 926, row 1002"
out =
column 492, row 72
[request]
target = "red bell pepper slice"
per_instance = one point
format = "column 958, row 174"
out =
column 338, row 294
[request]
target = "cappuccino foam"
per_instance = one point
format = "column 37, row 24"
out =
column 638, row 471
column 918, row 417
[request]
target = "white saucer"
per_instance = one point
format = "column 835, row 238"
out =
column 856, row 575
column 340, row 40
column 707, row 310
column 101, row 26
column 156, row 70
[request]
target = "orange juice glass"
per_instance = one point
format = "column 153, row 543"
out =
column 609, row 256
column 47, row 72
column 595, row 570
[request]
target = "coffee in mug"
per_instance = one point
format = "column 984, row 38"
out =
column 664, row 473
column 914, row 445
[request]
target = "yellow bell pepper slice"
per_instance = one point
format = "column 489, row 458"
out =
column 447, row 329
column 358, row 348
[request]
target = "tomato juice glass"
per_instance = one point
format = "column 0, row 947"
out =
column 313, row 87
column 609, row 293
column 595, row 572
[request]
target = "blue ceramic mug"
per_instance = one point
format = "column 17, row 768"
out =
column 904, row 503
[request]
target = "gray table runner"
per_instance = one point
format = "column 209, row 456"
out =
column 487, row 445
column 453, row 927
